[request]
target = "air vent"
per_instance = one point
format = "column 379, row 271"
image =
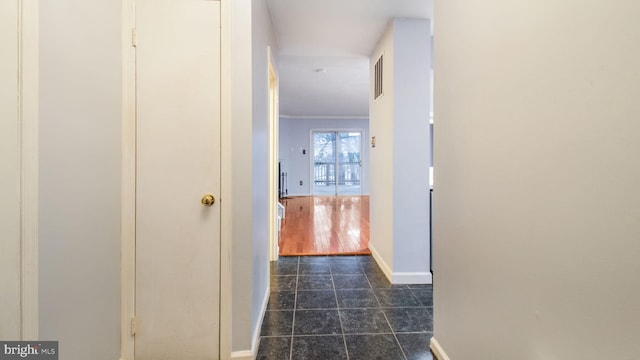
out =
column 377, row 90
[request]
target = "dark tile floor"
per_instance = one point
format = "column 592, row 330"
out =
column 343, row 307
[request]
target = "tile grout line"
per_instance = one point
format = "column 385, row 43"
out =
column 416, row 297
column 389, row 323
column 335, row 293
column 395, row 337
column 295, row 303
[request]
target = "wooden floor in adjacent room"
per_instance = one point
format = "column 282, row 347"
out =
column 325, row 225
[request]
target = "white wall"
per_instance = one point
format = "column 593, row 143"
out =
column 296, row 134
column 9, row 173
column 262, row 38
column 79, row 227
column 412, row 145
column 400, row 161
column 536, row 215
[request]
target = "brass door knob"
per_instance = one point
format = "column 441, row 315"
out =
column 208, row 200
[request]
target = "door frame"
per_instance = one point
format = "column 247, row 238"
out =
column 28, row 140
column 274, row 122
column 312, row 183
column 128, row 179
column 226, row 297
column 26, row 148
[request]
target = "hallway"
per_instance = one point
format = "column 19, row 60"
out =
column 343, row 307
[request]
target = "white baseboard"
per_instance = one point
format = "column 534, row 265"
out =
column 412, row 278
column 242, row 355
column 255, row 340
column 381, row 263
column 437, row 350
column 400, row 277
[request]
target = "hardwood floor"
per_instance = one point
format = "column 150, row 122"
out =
column 325, row 225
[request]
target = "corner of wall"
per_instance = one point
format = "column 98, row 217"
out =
column 400, row 277
column 386, row 269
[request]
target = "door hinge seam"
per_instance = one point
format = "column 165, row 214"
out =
column 133, row 326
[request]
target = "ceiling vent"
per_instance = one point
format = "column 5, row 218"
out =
column 377, row 83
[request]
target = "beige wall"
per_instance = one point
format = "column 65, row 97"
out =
column 536, row 216
column 79, row 242
column 9, row 173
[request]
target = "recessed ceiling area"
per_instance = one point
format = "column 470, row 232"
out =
column 337, row 36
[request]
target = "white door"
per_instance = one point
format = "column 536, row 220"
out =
column 178, row 162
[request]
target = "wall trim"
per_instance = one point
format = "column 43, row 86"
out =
column 29, row 138
column 412, row 278
column 381, row 263
column 242, row 355
column 437, row 350
column 128, row 179
column 255, row 341
column 226, row 206
column 400, row 277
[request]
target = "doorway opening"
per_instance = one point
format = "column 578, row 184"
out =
column 332, row 218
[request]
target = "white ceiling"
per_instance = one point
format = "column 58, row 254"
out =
column 337, row 36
